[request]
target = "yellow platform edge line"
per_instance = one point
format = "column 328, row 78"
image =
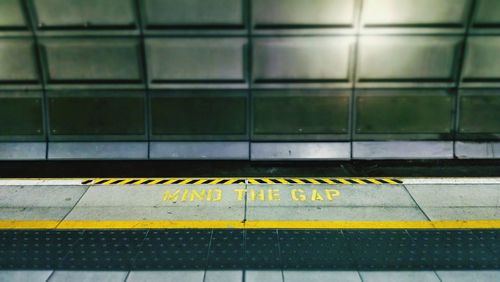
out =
column 235, row 224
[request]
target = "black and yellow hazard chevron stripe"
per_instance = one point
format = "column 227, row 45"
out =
column 331, row 181
column 164, row 181
column 228, row 181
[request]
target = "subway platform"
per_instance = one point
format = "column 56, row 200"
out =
column 250, row 229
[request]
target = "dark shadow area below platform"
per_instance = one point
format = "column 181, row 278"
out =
column 77, row 169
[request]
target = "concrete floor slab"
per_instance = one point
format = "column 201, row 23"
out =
column 156, row 213
column 321, row 276
column 329, row 195
column 166, row 276
column 263, row 276
column 462, row 213
column 469, row 276
column 399, row 276
column 455, row 195
column 335, row 214
column 160, row 202
column 162, row 195
column 89, row 276
column 40, row 196
column 35, row 213
column 24, row 275
column 223, row 276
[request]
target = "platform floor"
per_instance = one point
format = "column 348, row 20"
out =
column 467, row 203
column 250, row 276
column 441, row 229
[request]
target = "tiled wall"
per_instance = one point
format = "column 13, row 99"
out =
column 283, row 71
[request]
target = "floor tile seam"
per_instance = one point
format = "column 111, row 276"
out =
column 437, row 275
column 245, row 203
column 136, row 253
column 458, row 207
column 76, row 203
column 208, row 255
column 416, row 203
column 65, row 256
column 126, row 276
column 156, row 207
column 281, row 262
column 50, row 276
column 351, row 251
column 38, row 207
column 342, row 206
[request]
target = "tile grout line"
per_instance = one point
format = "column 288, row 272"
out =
column 136, row 255
column 245, row 209
column 126, row 276
column 77, row 202
column 360, row 276
column 418, row 206
column 437, row 275
column 208, row 255
column 243, row 274
column 279, row 255
column 50, row 276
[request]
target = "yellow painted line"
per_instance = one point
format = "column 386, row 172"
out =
column 170, row 181
column 231, row 181
column 359, row 181
column 313, row 181
column 268, row 181
column 140, row 181
column 234, row 224
column 343, row 181
column 372, row 180
column 282, row 180
column 328, row 181
column 215, row 181
column 28, row 224
column 253, row 181
column 200, row 181
column 485, row 224
column 388, row 180
column 155, row 181
column 151, row 224
column 185, row 181
column 296, row 180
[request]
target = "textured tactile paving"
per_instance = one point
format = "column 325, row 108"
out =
column 174, row 249
column 227, row 249
column 35, row 249
column 459, row 249
column 202, row 249
column 315, row 249
column 104, row 250
column 381, row 249
column 262, row 250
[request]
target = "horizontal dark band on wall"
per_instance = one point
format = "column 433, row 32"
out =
column 415, row 80
column 86, row 27
column 301, row 26
column 284, row 80
column 197, row 81
column 94, row 81
column 193, row 26
column 31, row 82
column 435, row 25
